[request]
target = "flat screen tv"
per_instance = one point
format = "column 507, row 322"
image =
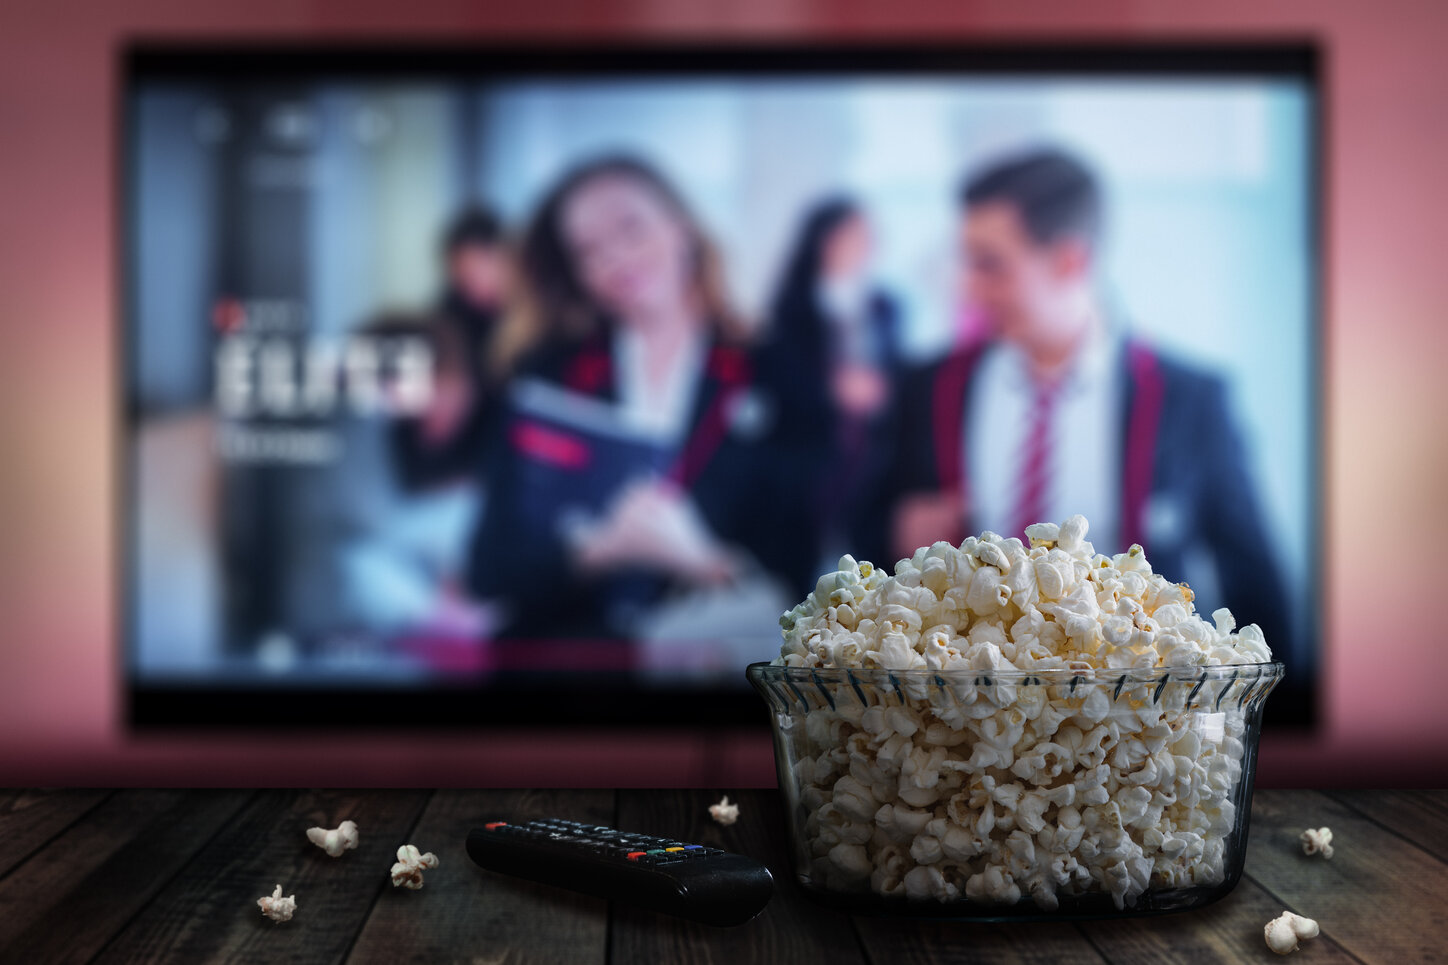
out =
column 530, row 383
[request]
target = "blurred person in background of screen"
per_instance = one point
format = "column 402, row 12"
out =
column 398, row 555
column 446, row 441
column 1062, row 411
column 828, row 366
column 624, row 325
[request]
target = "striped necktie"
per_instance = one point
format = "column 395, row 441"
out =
column 1034, row 480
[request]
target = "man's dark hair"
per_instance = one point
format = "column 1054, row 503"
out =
column 474, row 226
column 1055, row 193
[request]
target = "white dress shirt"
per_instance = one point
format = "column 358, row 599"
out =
column 845, row 305
column 1085, row 473
column 658, row 408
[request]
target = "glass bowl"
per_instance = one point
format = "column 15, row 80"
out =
column 1023, row 795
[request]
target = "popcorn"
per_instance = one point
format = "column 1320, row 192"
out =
column 987, row 784
column 724, row 812
column 1315, row 840
column 927, row 882
column 278, row 908
column 407, row 872
column 1284, row 932
column 852, row 859
column 341, row 838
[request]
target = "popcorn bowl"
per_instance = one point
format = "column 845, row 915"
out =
column 1057, row 794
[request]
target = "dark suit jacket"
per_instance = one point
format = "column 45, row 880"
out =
column 1185, row 486
column 515, row 559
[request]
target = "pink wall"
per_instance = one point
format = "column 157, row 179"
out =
column 1387, row 459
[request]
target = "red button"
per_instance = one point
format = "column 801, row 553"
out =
column 496, row 824
column 635, row 855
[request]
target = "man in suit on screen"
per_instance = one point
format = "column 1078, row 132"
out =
column 1059, row 410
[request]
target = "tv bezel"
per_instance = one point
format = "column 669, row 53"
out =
column 153, row 707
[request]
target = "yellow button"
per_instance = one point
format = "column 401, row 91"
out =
column 673, row 849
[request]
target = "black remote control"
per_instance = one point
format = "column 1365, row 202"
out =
column 671, row 877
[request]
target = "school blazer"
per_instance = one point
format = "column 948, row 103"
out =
column 718, row 464
column 1184, row 485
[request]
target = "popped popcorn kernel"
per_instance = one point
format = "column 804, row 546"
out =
column 724, row 812
column 1286, row 930
column 277, row 908
column 342, row 838
column 1317, row 841
column 407, row 872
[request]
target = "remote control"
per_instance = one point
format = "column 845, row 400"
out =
column 671, row 877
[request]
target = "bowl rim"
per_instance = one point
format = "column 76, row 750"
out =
column 768, row 670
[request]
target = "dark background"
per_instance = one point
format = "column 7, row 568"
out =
column 1386, row 459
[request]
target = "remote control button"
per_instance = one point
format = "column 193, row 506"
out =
column 494, row 825
column 635, row 855
column 693, row 847
column 673, row 849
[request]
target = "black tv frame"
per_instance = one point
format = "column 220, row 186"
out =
column 524, row 698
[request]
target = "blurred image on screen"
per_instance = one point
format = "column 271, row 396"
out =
column 467, row 379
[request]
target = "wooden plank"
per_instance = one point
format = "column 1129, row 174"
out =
column 1380, row 898
column 29, row 818
column 466, row 914
column 208, row 913
column 66, row 901
column 924, row 941
column 790, row 929
column 1228, row 931
column 1419, row 816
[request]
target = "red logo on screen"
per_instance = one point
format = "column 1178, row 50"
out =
column 228, row 315
column 549, row 445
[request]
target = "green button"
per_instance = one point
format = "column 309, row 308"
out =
column 656, row 851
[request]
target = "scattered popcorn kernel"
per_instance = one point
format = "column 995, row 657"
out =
column 341, row 838
column 276, row 907
column 1285, row 931
column 724, row 812
column 1317, row 840
column 407, row 872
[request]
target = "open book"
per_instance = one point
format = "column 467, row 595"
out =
column 575, row 453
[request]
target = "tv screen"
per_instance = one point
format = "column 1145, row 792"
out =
column 532, row 384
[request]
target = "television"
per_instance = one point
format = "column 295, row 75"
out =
column 515, row 383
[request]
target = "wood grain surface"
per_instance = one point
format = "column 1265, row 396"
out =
column 790, row 929
column 173, row 876
column 466, row 914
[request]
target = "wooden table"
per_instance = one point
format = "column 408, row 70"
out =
column 173, row 875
